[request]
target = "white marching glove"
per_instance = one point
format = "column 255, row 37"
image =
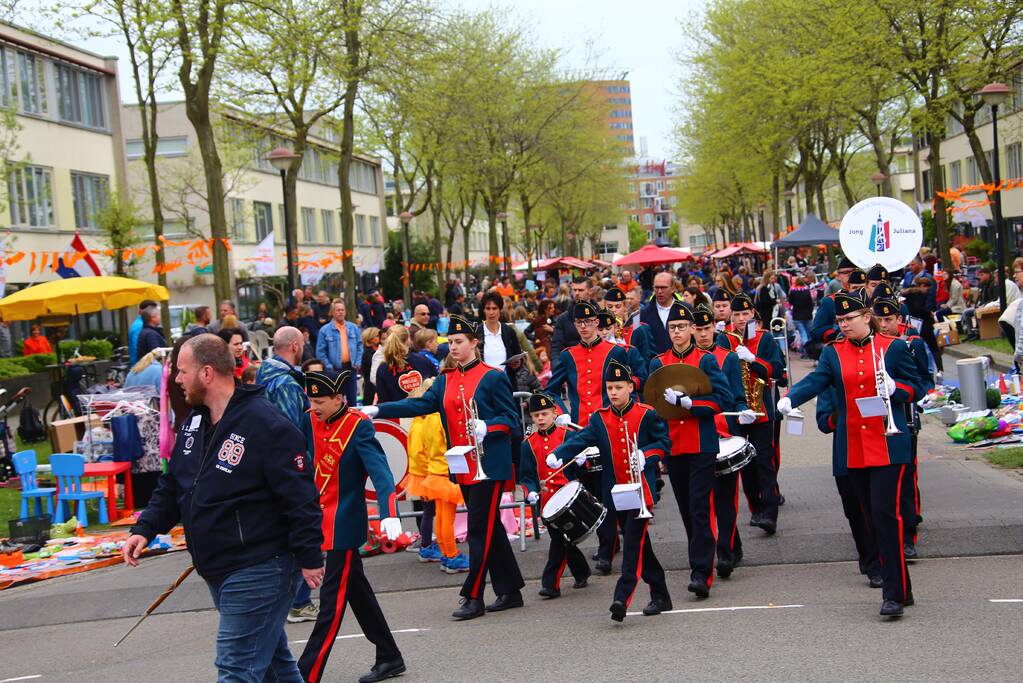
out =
column 677, row 398
column 563, row 420
column 370, row 411
column 532, row 497
column 745, row 354
column 481, row 430
column 889, row 384
column 391, row 526
column 580, row 460
column 747, row 417
column 638, row 454
column 719, row 326
column 553, row 462
column 785, row 405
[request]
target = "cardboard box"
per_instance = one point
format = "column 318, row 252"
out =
column 946, row 334
column 64, row 433
column 987, row 319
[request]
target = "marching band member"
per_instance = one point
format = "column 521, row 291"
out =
column 875, row 458
column 636, row 335
column 764, row 362
column 876, row 275
column 858, row 518
column 721, row 306
column 497, row 421
column 580, row 370
column 823, row 328
column 541, row 483
column 609, row 327
column 726, row 487
column 694, row 446
column 615, row 429
column 346, row 451
column 857, row 280
column 888, row 319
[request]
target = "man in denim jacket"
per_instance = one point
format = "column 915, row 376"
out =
column 339, row 346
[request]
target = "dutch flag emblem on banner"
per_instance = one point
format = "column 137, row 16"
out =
column 84, row 265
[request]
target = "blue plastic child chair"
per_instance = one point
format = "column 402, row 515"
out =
column 68, row 469
column 25, row 466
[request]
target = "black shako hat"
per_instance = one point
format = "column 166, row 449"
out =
column 459, row 325
column 540, row 401
column 617, row 372
column 319, row 384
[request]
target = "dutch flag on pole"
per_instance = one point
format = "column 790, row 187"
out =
column 84, row 265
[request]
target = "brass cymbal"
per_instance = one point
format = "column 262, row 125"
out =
column 680, row 377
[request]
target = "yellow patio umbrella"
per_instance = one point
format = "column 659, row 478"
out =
column 70, row 296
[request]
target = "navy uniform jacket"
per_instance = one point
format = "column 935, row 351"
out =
column 918, row 348
column 607, row 431
column 697, row 433
column 638, row 364
column 827, row 422
column 347, row 451
column 581, row 369
column 243, row 489
column 533, row 462
column 848, row 367
column 495, row 405
column 638, row 336
column 768, row 365
column 729, row 364
column 823, row 328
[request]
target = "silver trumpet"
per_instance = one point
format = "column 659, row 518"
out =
column 636, row 475
column 471, row 415
column 880, row 371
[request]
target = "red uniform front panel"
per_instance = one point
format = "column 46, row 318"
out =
column 684, row 433
column 329, row 443
column 542, row 445
column 621, row 431
column 866, row 442
column 462, row 384
column 589, row 367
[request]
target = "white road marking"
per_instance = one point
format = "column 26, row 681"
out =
column 21, row 678
column 991, row 600
column 720, row 609
column 353, row 635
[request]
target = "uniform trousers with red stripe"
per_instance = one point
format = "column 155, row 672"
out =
column 859, row 525
column 692, row 481
column 563, row 554
column 759, row 478
column 345, row 583
column 489, row 548
column 878, row 490
column 726, row 508
column 911, row 494
column 638, row 560
column 607, row 532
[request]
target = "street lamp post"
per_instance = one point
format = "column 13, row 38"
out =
column 993, row 95
column 878, row 179
column 534, row 228
column 283, row 160
column 503, row 217
column 406, row 270
column 789, row 194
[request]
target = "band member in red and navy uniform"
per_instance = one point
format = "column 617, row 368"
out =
column 498, row 423
column 541, row 482
column 580, row 371
column 858, row 518
column 346, row 452
column 888, row 318
column 823, row 328
column 761, row 353
column 611, row 429
column 875, row 460
column 726, row 487
column 694, row 446
column 635, row 335
column 608, row 326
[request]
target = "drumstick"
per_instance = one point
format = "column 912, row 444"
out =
column 156, row 603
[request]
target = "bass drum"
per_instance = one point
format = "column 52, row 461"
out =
column 573, row 512
column 394, row 440
column 734, row 453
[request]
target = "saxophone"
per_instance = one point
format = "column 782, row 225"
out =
column 752, row 385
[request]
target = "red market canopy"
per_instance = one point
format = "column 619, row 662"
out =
column 564, row 263
column 600, row 263
column 651, row 255
column 740, row 248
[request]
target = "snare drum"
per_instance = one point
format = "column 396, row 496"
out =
column 573, row 512
column 734, row 453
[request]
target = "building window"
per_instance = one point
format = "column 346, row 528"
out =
column 1014, row 160
column 925, row 181
column 165, row 147
column 327, row 216
column 80, row 97
column 363, row 177
column 308, row 224
column 30, row 192
column 648, row 219
column 5, row 82
column 971, row 172
column 955, row 172
column 632, row 187
column 237, row 218
column 90, row 194
column 374, row 230
column 263, row 215
column 32, row 83
column 360, row 229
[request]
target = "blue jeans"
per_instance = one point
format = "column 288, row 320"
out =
column 803, row 327
column 253, row 603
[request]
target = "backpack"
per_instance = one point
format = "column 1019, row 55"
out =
column 30, row 426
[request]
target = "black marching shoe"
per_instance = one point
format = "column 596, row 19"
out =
column 603, row 567
column 656, row 606
column 549, row 593
column 725, row 569
column 863, row 567
column 595, row 556
column 737, row 557
column 469, row 609
column 910, row 551
column 781, row 500
column 875, row 581
column 581, row 583
column 506, row 601
column 699, row 587
column 618, row 610
column 767, row 524
column 384, row 670
column 755, row 519
column 890, row 608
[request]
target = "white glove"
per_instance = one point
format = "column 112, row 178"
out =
column 785, row 405
column 889, row 385
column 745, row 354
column 391, row 526
column 481, row 430
column 563, row 420
column 719, row 326
column 553, row 462
column 580, row 460
column 370, row 411
column 532, row 497
column 677, row 398
column 638, row 454
column 748, row 417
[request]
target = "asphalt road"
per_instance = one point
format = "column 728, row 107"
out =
column 796, row 610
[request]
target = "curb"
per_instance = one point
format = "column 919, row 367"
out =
column 999, row 361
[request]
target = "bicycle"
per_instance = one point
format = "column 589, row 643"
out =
column 62, row 378
column 120, row 367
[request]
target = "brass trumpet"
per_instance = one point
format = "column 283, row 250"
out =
column 880, row 371
column 636, row 475
column 471, row 416
column 751, row 384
